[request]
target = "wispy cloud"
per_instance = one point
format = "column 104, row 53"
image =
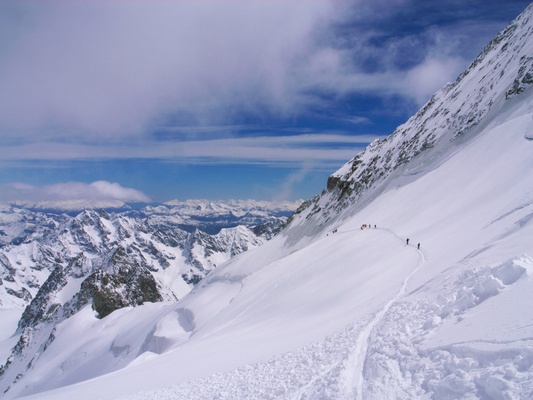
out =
column 358, row 120
column 287, row 189
column 318, row 149
column 422, row 79
column 96, row 191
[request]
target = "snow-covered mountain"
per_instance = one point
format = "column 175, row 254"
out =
column 455, row 115
column 71, row 206
column 54, row 264
column 409, row 277
column 184, row 240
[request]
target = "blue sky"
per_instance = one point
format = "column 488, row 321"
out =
column 160, row 100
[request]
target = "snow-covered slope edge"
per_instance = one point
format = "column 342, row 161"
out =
column 352, row 314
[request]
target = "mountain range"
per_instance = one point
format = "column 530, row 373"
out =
column 408, row 277
column 178, row 242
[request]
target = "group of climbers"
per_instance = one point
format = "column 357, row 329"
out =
column 364, row 226
column 369, row 226
column 407, row 243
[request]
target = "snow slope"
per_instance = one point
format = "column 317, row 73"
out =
column 359, row 313
column 356, row 313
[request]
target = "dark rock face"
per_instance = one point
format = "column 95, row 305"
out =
column 110, row 292
column 123, row 283
column 42, row 307
column 128, row 285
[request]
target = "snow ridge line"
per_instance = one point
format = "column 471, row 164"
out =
column 359, row 354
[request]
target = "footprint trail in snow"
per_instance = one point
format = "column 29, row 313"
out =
column 357, row 361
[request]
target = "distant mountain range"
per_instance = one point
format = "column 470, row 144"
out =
column 184, row 240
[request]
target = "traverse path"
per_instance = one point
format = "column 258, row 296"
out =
column 329, row 368
column 359, row 354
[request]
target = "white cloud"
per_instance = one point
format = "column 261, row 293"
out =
column 294, row 150
column 426, row 78
column 105, row 68
column 417, row 83
column 96, row 191
column 287, row 189
column 97, row 69
column 359, row 120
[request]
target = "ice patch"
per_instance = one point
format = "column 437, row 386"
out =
column 529, row 135
column 186, row 319
column 525, row 262
column 119, row 351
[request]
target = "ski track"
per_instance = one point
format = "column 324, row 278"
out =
column 381, row 358
column 332, row 368
column 359, row 355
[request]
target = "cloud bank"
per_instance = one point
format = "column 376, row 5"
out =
column 92, row 69
column 99, row 191
column 318, row 149
column 101, row 68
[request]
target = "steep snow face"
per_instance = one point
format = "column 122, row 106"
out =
column 456, row 114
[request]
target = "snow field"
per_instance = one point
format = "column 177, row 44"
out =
column 361, row 349
column 313, row 371
column 282, row 323
column 90, row 347
column 398, row 362
column 9, row 318
column 357, row 313
column 240, row 320
column 452, row 345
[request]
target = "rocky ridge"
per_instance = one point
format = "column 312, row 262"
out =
column 453, row 116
